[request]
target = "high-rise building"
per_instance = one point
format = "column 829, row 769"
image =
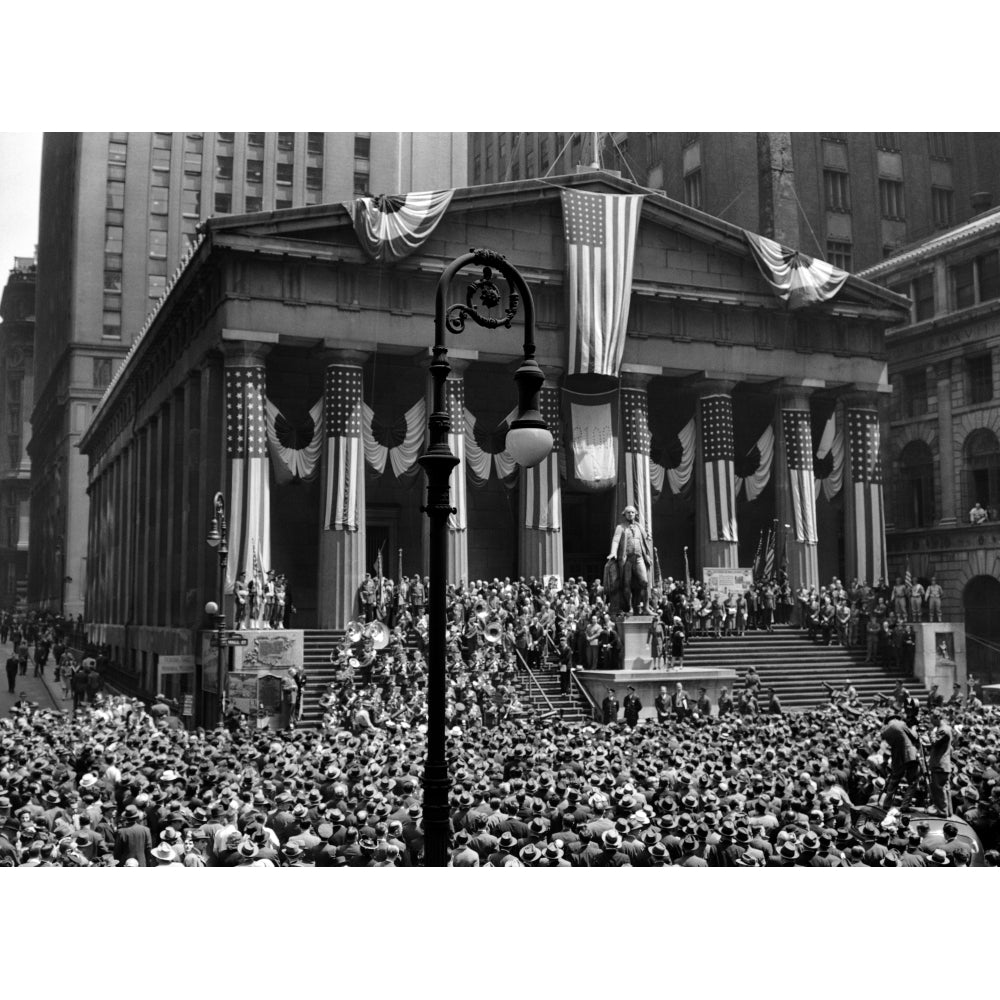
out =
column 17, row 329
column 851, row 198
column 118, row 210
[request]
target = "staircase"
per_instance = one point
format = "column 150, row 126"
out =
column 795, row 667
column 571, row 707
column 318, row 644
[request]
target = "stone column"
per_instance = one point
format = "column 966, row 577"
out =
column 540, row 537
column 946, row 455
column 795, row 496
column 342, row 492
column 717, row 538
column 864, row 509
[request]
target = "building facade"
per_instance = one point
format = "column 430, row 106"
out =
column 282, row 345
column 944, row 446
column 849, row 198
column 17, row 330
column 118, row 212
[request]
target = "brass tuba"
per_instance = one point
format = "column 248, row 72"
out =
column 355, row 632
column 493, row 632
column 379, row 634
column 481, row 610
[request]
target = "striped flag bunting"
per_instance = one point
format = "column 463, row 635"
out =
column 454, row 389
column 717, row 454
column 907, row 575
column 831, row 443
column 391, row 227
column 754, row 484
column 543, row 507
column 866, row 479
column 249, row 488
column 600, row 231
column 769, row 555
column 637, row 440
column 794, row 277
column 342, row 410
column 797, row 429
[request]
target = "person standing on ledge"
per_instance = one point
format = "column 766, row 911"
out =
column 626, row 571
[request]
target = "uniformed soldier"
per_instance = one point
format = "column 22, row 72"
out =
column 610, row 707
column 632, row 706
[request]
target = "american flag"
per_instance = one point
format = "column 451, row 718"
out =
column 769, row 555
column 344, row 470
column 866, row 476
column 454, row 389
column 392, row 227
column 717, row 454
column 249, row 487
column 908, row 576
column 600, row 234
column 638, row 489
column 797, row 428
column 543, row 493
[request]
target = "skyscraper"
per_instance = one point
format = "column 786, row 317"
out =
column 118, row 210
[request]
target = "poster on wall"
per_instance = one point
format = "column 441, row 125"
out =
column 209, row 664
column 241, row 691
column 726, row 580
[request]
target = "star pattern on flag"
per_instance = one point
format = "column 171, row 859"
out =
column 583, row 218
column 637, row 435
column 343, row 402
column 455, row 404
column 246, row 434
column 548, row 406
column 798, row 439
column 717, row 429
column 866, row 464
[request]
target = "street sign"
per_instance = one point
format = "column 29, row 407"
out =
column 229, row 639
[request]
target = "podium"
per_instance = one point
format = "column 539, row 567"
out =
column 634, row 632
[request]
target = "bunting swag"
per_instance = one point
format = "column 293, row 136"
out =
column 288, row 461
column 485, row 449
column 249, row 489
column 797, row 279
column 866, row 479
column 753, row 484
column 399, row 443
column 343, row 447
column 600, row 231
column 593, row 438
column 679, row 477
column 796, row 427
column 832, row 444
column 543, row 510
column 638, row 485
column 391, row 227
column 717, row 450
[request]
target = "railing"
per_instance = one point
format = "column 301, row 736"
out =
column 983, row 659
column 534, row 680
column 595, row 713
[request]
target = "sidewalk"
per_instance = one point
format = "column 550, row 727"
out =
column 43, row 690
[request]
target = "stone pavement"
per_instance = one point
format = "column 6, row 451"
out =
column 43, row 690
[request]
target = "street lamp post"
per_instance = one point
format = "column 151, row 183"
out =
column 529, row 441
column 218, row 539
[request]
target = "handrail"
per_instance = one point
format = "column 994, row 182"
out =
column 545, row 697
column 595, row 712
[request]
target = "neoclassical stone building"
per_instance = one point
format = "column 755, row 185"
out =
column 286, row 369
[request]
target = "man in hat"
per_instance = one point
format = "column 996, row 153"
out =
column 905, row 760
column 939, row 764
column 133, row 839
column 13, row 664
column 632, row 706
column 609, row 707
column 631, row 555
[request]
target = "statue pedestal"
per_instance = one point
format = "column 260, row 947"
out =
column 634, row 633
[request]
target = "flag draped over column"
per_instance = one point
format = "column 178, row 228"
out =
column 637, row 439
column 797, row 430
column 249, row 514
column 831, row 443
column 866, row 479
column 794, row 277
column 288, row 461
column 543, row 510
column 600, row 234
column 391, row 227
column 717, row 454
column 455, row 404
column 342, row 409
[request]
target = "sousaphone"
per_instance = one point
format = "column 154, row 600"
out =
column 493, row 632
column 355, row 632
column 378, row 632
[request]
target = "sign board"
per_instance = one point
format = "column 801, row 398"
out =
column 183, row 664
column 241, row 690
column 726, row 580
column 187, row 705
column 268, row 650
column 229, row 639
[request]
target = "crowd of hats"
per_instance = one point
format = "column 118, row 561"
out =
column 740, row 791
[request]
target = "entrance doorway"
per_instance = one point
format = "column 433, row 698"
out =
column 588, row 524
column 981, row 602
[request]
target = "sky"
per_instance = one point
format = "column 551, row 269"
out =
column 20, row 172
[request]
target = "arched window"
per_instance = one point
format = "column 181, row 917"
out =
column 982, row 471
column 915, row 486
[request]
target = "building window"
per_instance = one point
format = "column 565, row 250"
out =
column 112, row 281
column 963, row 285
column 314, row 178
column 284, row 174
column 891, row 197
column 191, row 203
column 192, row 162
column 839, row 254
column 116, row 194
column 982, row 470
column 159, row 199
column 117, row 152
column 223, row 202
column 255, row 171
column 939, row 146
column 943, row 201
column 915, row 393
column 923, row 297
column 314, row 143
column 116, row 171
column 887, row 141
column 915, row 486
column 225, row 136
column 692, row 189
column 979, row 378
column 157, row 285
column 255, row 138
column 157, row 243
column 253, row 203
column 112, row 302
column 286, row 141
column 112, row 326
column 102, row 372
column 361, row 183
column 112, row 262
column 160, row 159
column 363, row 144
column 836, row 184
column 988, row 266
column 224, row 168
column 280, row 203
column 543, row 153
column 112, row 239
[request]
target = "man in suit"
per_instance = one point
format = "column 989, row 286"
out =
column 610, row 707
column 632, row 707
column 632, row 552
column 662, row 704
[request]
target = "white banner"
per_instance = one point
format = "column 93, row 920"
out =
column 593, row 444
